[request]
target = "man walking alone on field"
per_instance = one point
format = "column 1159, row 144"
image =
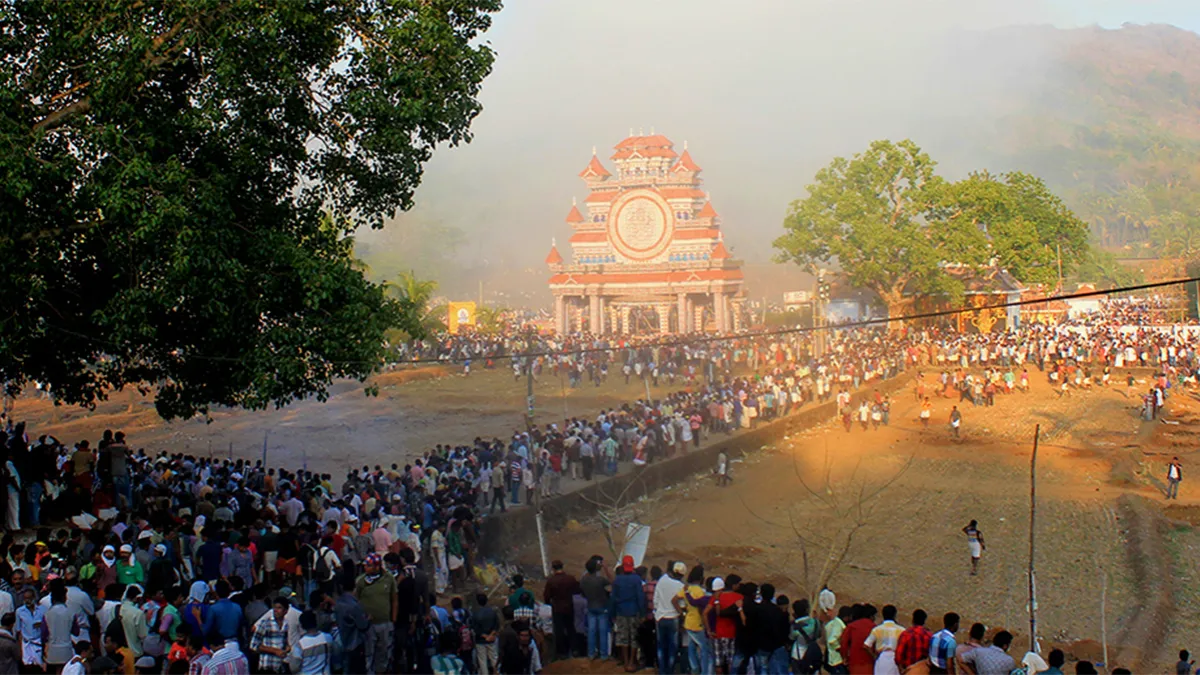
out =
column 1174, row 476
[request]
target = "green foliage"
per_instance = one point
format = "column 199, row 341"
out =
column 490, row 319
column 1116, row 132
column 892, row 224
column 1103, row 269
column 167, row 171
column 416, row 296
column 1028, row 227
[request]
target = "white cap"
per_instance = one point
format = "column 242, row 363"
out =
column 718, row 584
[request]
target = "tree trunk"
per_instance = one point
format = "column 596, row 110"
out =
column 897, row 305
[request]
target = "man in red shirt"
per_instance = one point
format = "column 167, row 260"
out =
column 724, row 638
column 913, row 645
column 853, row 646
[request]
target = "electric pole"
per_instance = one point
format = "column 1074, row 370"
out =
column 820, row 297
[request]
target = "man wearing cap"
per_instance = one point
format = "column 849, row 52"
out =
column 128, row 569
column 628, row 606
column 666, row 615
column 162, row 573
column 376, row 592
column 560, row 595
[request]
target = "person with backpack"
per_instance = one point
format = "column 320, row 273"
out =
column 326, row 566
column 460, row 624
column 806, row 640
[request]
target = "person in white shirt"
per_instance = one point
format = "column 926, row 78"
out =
column 666, row 615
column 78, row 663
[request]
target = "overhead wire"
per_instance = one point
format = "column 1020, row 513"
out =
column 707, row 339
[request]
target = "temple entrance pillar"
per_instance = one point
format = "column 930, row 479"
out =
column 682, row 313
column 560, row 314
column 664, row 317
column 593, row 313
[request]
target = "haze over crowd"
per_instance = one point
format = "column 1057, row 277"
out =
column 765, row 95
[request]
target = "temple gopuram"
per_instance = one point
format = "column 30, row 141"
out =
column 647, row 253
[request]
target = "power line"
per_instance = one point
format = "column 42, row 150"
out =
column 706, row 339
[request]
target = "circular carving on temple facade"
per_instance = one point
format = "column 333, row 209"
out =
column 641, row 225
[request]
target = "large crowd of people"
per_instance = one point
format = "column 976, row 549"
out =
column 168, row 562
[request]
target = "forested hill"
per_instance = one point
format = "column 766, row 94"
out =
column 1113, row 123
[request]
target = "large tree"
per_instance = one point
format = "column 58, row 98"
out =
column 1030, row 232
column 892, row 225
column 179, row 180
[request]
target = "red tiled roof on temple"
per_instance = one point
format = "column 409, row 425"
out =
column 603, row 196
column 554, row 258
column 626, row 153
column 708, row 211
column 719, row 252
column 574, row 216
column 652, row 141
column 594, row 168
column 685, row 163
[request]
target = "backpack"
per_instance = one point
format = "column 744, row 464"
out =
column 811, row 659
column 321, row 567
column 116, row 629
column 466, row 638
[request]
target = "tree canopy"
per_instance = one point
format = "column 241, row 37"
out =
column 179, row 181
column 892, row 224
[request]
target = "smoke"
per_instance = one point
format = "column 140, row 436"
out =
column 765, row 92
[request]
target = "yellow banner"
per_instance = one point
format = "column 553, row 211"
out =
column 461, row 314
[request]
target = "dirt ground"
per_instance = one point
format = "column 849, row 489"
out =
column 1100, row 504
column 415, row 410
column 1103, row 534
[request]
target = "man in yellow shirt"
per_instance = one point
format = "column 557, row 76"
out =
column 690, row 601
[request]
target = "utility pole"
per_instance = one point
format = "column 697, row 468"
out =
column 1032, row 531
column 1058, row 256
column 533, row 455
column 529, row 379
column 820, row 297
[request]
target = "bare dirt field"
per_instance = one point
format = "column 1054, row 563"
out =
column 415, row 410
column 1104, row 532
column 1101, row 532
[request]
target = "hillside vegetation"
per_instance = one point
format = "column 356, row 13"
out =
column 1115, row 127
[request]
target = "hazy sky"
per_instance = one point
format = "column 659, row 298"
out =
column 764, row 91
